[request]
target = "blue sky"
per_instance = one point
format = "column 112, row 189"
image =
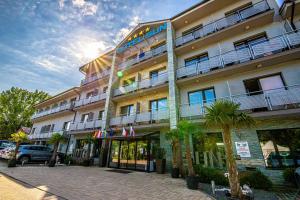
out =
column 44, row 42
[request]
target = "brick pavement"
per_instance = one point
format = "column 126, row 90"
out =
column 76, row 182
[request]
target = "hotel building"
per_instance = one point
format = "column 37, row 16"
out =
column 244, row 51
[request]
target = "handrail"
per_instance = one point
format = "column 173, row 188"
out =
column 273, row 45
column 53, row 110
column 97, row 76
column 224, row 22
column 143, row 56
column 90, row 124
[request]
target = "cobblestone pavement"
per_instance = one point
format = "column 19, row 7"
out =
column 76, row 182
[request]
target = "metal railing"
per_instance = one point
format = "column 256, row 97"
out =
column 57, row 109
column 94, row 124
column 143, row 84
column 91, row 99
column 239, row 16
column 44, row 135
column 148, row 117
column 143, row 56
column 95, row 77
column 254, row 51
column 265, row 100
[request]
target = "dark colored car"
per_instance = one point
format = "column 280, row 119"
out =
column 27, row 153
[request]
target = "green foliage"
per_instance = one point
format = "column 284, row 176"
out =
column 226, row 113
column 16, row 109
column 57, row 138
column 89, row 139
column 256, row 179
column 206, row 175
column 160, row 153
column 289, row 175
column 19, row 137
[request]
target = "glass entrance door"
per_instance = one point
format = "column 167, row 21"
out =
column 123, row 154
column 114, row 154
column 131, row 154
column 141, row 155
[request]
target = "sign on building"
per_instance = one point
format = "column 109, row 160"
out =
column 242, row 149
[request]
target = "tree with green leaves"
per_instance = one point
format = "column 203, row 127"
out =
column 16, row 109
column 55, row 139
column 18, row 137
column 89, row 140
column 225, row 115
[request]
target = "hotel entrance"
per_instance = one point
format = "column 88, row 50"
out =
column 134, row 153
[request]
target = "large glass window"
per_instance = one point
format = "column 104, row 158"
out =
column 159, row 104
column 281, row 148
column 202, row 96
column 196, row 59
column 250, row 41
column 127, row 110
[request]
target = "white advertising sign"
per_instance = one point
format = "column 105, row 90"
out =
column 242, row 149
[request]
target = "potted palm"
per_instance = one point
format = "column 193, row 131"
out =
column 186, row 129
column 55, row 139
column 89, row 140
column 173, row 136
column 225, row 115
column 18, row 138
column 160, row 160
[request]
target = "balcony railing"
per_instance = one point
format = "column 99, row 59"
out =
column 88, row 125
column 61, row 108
column 45, row 135
column 143, row 56
column 225, row 22
column 143, row 84
column 95, row 77
column 269, row 47
column 144, row 117
column 266, row 100
column 90, row 100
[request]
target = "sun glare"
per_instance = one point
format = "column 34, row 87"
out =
column 91, row 50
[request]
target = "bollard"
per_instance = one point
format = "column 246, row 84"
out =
column 213, row 187
column 23, row 163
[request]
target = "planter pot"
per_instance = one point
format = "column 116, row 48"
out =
column 160, row 166
column 192, row 182
column 175, row 173
column 51, row 163
column 12, row 163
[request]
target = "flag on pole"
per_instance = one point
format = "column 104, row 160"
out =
column 95, row 134
column 99, row 133
column 111, row 132
column 124, row 132
column 132, row 132
column 104, row 133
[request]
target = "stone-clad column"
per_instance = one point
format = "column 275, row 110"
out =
column 173, row 90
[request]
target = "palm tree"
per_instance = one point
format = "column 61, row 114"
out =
column 174, row 136
column 89, row 140
column 225, row 115
column 18, row 138
column 55, row 139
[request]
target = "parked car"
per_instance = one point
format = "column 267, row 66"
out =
column 7, row 151
column 27, row 153
column 5, row 143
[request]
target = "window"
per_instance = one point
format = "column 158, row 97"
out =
column 129, row 81
column 55, row 105
column 100, row 115
column 52, row 127
column 159, row 104
column 250, row 41
column 66, row 126
column 105, row 89
column 72, row 101
column 89, row 94
column 154, row 74
column 202, row 96
column 87, row 117
column 281, row 147
column 196, row 59
column 127, row 110
column 158, row 45
column 63, row 103
column 32, row 130
column 264, row 84
column 46, row 128
column 192, row 30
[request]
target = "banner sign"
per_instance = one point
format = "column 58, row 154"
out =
column 242, row 149
column 141, row 36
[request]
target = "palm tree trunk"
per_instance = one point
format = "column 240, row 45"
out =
column 88, row 151
column 53, row 158
column 16, row 150
column 188, row 155
column 179, row 159
column 174, row 152
column 231, row 164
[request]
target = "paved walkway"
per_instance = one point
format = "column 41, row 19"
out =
column 76, row 182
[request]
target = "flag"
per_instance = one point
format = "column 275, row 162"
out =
column 111, row 132
column 99, row 133
column 124, row 132
column 104, row 133
column 95, row 134
column 132, row 132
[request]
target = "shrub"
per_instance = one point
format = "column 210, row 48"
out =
column 206, row 175
column 255, row 179
column 289, row 176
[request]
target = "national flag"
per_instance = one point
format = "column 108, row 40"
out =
column 124, row 132
column 99, row 133
column 104, row 133
column 111, row 132
column 95, row 134
column 132, row 132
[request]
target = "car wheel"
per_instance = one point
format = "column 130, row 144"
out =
column 24, row 159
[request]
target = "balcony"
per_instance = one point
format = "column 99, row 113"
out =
column 45, row 135
column 149, row 117
column 90, row 100
column 97, row 76
column 51, row 111
column 223, row 23
column 143, row 57
column 286, row 98
column 258, row 51
column 143, row 84
column 84, row 126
